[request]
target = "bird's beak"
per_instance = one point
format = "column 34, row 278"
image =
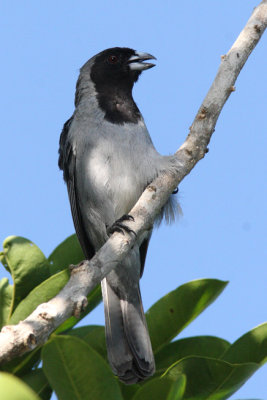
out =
column 136, row 61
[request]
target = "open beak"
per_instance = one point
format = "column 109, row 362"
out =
column 136, row 62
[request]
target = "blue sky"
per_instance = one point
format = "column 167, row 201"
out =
column 223, row 233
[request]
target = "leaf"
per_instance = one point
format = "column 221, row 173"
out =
column 41, row 294
column 76, row 371
column 22, row 365
column 207, row 346
column 251, row 347
column 93, row 299
column 177, row 389
column 6, row 292
column 128, row 391
column 173, row 312
column 66, row 253
column 37, row 380
column 210, row 378
column 156, row 389
column 94, row 335
column 27, row 265
column 12, row 388
column 167, row 387
column 46, row 291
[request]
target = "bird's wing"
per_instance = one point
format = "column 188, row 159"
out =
column 67, row 162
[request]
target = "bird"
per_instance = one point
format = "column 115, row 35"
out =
column 108, row 159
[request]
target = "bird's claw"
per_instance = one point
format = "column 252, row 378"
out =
column 118, row 225
column 125, row 217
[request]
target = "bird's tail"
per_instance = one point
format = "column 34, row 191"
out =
column 128, row 342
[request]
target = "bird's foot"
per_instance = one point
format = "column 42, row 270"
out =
column 119, row 226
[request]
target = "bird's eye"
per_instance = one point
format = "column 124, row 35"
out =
column 113, row 59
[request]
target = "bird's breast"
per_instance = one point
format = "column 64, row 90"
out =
column 115, row 178
column 116, row 162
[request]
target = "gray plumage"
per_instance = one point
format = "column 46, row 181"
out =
column 108, row 159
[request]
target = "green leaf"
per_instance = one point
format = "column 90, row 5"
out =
column 26, row 263
column 173, row 312
column 38, row 382
column 94, row 335
column 76, row 371
column 41, row 294
column 66, row 253
column 177, row 389
column 251, row 347
column 128, row 391
column 210, row 378
column 6, row 292
column 12, row 388
column 167, row 387
column 22, row 365
column 156, row 389
column 93, row 299
column 207, row 346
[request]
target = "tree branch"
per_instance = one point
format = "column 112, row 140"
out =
column 36, row 328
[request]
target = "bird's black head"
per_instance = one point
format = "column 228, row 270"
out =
column 119, row 64
column 114, row 72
